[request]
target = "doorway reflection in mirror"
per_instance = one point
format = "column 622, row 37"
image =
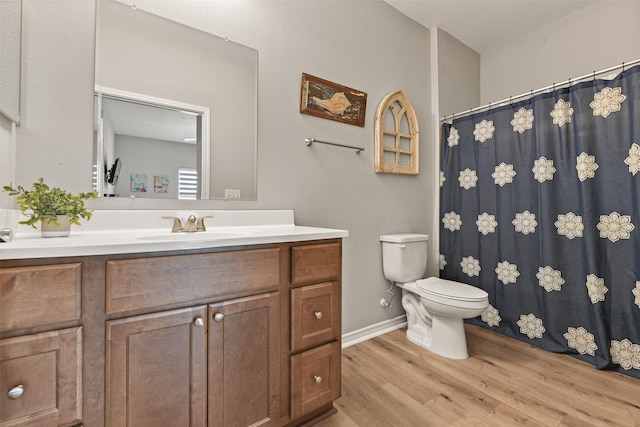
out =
column 137, row 134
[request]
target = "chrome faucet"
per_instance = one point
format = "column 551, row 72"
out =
column 193, row 224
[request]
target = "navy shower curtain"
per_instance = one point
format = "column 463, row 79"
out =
column 540, row 207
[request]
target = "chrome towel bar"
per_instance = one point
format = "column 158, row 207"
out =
column 310, row 141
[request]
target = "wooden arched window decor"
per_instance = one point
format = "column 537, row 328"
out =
column 396, row 136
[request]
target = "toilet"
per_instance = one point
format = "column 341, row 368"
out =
column 435, row 307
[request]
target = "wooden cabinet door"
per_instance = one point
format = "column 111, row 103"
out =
column 244, row 361
column 41, row 379
column 156, row 367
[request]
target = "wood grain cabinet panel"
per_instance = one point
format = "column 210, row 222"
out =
column 315, row 315
column 234, row 337
column 313, row 263
column 153, row 282
column 47, row 367
column 315, row 378
column 156, row 370
column 39, row 295
column 243, row 362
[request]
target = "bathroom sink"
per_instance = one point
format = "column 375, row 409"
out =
column 199, row 235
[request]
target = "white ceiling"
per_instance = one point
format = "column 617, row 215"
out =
column 481, row 24
column 147, row 121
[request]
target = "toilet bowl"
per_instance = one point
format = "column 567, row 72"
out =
column 436, row 308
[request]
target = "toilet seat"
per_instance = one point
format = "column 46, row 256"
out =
column 442, row 289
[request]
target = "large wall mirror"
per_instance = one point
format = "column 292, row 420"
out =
column 172, row 99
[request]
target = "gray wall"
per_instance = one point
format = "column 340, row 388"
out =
column 366, row 45
column 599, row 36
column 152, row 157
column 458, row 75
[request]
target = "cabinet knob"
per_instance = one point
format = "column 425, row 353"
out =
column 218, row 317
column 16, row 392
column 317, row 378
column 318, row 315
column 199, row 322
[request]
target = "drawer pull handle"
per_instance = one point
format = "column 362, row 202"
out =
column 317, row 378
column 318, row 315
column 199, row 322
column 218, row 317
column 16, row 392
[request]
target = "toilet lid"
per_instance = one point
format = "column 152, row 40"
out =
column 450, row 289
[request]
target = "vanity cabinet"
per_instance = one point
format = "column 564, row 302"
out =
column 315, row 366
column 212, row 364
column 239, row 336
column 40, row 361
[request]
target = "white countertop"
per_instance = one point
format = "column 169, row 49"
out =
column 115, row 232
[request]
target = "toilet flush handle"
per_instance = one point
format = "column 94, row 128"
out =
column 402, row 246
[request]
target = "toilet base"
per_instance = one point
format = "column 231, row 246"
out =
column 430, row 329
column 420, row 335
column 445, row 337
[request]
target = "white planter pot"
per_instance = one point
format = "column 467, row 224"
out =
column 51, row 229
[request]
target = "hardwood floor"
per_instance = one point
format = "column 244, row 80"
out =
column 388, row 381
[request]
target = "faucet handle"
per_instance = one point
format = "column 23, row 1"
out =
column 177, row 224
column 6, row 235
column 200, row 226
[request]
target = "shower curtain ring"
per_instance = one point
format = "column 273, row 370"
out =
column 623, row 66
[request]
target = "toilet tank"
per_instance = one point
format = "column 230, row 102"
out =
column 404, row 256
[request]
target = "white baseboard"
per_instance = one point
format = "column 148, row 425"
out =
column 372, row 331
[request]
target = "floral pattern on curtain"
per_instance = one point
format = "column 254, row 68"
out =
column 540, row 207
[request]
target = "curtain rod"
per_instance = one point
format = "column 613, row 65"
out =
column 537, row 91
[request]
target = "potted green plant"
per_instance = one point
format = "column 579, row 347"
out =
column 56, row 209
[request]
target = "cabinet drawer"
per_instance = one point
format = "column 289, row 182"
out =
column 315, row 378
column 313, row 263
column 39, row 295
column 315, row 315
column 48, row 368
column 153, row 282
